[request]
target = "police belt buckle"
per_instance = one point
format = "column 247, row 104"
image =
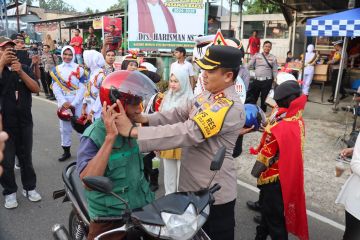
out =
column 262, row 78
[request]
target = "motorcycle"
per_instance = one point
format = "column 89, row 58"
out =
column 178, row 215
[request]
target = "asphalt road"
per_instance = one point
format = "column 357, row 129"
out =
column 32, row 221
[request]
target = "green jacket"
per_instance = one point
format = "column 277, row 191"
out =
column 125, row 169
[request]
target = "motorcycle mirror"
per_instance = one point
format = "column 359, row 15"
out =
column 99, row 183
column 218, row 159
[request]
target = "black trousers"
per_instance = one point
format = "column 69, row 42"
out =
column 238, row 146
column 334, row 75
column 44, row 81
column 352, row 227
column 259, row 88
column 148, row 165
column 272, row 213
column 49, row 82
column 221, row 222
column 20, row 143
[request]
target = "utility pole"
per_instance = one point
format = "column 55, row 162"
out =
column 3, row 2
column 230, row 18
column 241, row 3
column 17, row 15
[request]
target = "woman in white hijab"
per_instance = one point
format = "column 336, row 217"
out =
column 69, row 91
column 310, row 60
column 179, row 93
column 91, row 104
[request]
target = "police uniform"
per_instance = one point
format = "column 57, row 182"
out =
column 201, row 127
column 335, row 66
column 68, row 87
column 265, row 74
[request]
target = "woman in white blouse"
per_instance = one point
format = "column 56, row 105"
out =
column 349, row 195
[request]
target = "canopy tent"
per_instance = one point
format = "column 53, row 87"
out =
column 343, row 24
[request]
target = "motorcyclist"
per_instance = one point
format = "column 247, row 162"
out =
column 103, row 152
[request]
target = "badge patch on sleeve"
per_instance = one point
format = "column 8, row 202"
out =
column 210, row 121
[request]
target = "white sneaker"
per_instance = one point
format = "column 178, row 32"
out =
column 32, row 195
column 10, row 201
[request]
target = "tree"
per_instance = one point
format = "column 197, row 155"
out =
column 117, row 6
column 56, row 5
column 260, row 7
column 89, row 11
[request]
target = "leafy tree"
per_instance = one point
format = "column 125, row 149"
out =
column 260, row 7
column 56, row 5
column 117, row 6
column 89, row 11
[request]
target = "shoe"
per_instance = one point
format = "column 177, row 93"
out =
column 10, row 201
column 32, row 195
column 17, row 166
column 257, row 219
column 51, row 98
column 331, row 100
column 343, row 96
column 66, row 155
column 255, row 206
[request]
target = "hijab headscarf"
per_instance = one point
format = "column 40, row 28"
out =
column 310, row 54
column 94, row 60
column 66, row 69
column 72, row 63
column 179, row 98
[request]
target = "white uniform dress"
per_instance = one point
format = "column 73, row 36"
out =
column 68, row 87
column 95, row 62
column 310, row 60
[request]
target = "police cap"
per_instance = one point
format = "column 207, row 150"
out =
column 219, row 56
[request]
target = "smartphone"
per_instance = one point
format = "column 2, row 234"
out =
column 23, row 57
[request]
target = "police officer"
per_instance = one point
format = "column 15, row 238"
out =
column 266, row 69
column 212, row 120
column 335, row 66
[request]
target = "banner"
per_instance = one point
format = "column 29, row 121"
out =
column 165, row 24
column 97, row 24
column 112, row 27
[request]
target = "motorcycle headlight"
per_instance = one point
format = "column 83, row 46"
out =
column 181, row 227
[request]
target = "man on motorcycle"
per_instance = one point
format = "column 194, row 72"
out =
column 103, row 152
column 213, row 119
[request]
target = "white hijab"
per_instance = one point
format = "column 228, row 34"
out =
column 179, row 98
column 310, row 54
column 94, row 60
column 66, row 69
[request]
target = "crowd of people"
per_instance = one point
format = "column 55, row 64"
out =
column 184, row 129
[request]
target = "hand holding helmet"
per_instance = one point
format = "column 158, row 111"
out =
column 109, row 115
column 255, row 117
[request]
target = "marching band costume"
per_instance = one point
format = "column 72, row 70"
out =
column 68, row 87
column 95, row 62
column 282, row 202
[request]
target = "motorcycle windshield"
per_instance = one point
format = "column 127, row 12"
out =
column 175, row 203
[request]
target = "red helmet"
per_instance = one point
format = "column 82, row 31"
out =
column 130, row 87
column 80, row 124
column 65, row 114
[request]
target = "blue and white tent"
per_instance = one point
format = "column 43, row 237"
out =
column 342, row 24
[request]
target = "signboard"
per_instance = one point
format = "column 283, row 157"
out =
column 112, row 27
column 97, row 24
column 165, row 24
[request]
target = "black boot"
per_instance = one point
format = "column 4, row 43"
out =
column 154, row 185
column 66, row 155
column 261, row 233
